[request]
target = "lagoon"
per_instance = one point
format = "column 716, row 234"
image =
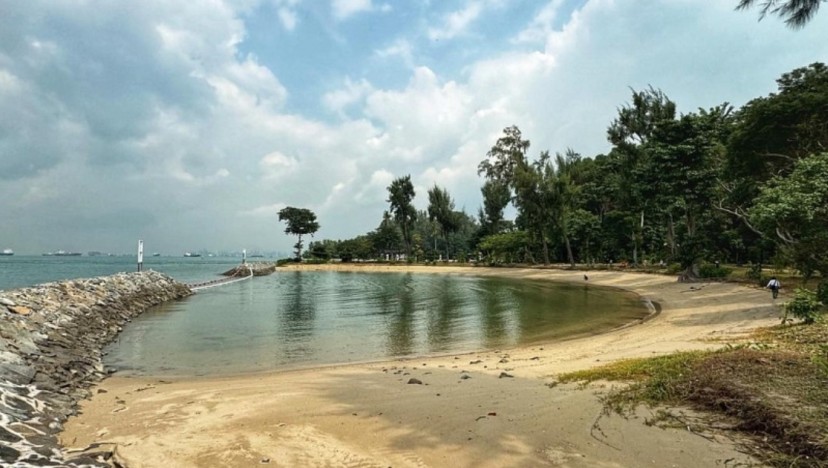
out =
column 295, row 319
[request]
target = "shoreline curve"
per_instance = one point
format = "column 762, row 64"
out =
column 487, row 408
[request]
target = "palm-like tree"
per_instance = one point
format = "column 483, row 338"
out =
column 796, row 13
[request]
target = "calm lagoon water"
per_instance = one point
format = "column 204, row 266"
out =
column 298, row 319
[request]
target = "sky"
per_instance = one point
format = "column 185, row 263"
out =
column 190, row 124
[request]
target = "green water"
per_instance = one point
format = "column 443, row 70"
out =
column 297, row 319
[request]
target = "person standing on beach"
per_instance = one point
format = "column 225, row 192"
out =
column 774, row 286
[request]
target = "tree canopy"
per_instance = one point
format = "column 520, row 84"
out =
column 300, row 221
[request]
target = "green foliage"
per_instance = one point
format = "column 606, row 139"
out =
column 822, row 292
column 441, row 211
column 755, row 272
column 400, row 196
column 796, row 209
column 803, row 306
column 300, row 221
column 674, row 268
column 710, row 270
column 506, row 247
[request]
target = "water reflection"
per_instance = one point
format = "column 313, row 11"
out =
column 401, row 311
column 495, row 304
column 301, row 318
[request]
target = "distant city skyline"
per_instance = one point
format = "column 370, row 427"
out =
column 191, row 124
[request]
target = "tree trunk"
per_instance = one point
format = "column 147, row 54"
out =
column 545, row 250
column 689, row 275
column 569, row 251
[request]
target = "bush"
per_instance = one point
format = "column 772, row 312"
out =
column 822, row 292
column 710, row 270
column 755, row 272
column 804, row 306
column 674, row 268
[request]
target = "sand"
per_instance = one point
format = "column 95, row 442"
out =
column 463, row 414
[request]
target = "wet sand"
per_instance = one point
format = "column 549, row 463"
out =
column 464, row 413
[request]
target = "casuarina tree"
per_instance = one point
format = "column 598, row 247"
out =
column 300, row 221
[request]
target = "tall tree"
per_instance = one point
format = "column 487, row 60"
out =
column 441, row 210
column 684, row 158
column 535, row 200
column 300, row 221
column 496, row 196
column 797, row 13
column 629, row 132
column 794, row 209
column 505, row 157
column 400, row 196
column 565, row 192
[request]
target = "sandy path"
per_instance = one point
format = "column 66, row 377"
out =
column 462, row 415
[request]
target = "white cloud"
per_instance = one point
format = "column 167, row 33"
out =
column 402, row 49
column 343, row 9
column 542, row 24
column 456, row 23
column 288, row 18
column 352, row 92
column 175, row 117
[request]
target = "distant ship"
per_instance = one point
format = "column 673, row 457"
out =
column 156, row 254
column 94, row 253
column 62, row 253
column 7, row 252
column 188, row 254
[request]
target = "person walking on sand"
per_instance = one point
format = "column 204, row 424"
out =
column 774, row 286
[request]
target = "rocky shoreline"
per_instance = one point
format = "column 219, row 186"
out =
column 51, row 341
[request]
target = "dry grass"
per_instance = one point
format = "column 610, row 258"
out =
column 775, row 391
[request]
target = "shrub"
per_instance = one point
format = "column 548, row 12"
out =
column 755, row 271
column 822, row 292
column 710, row 270
column 674, row 268
column 804, row 306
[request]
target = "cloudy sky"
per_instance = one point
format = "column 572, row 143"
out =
column 189, row 124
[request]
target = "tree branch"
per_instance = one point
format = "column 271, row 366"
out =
column 739, row 213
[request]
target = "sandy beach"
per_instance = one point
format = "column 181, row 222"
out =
column 492, row 408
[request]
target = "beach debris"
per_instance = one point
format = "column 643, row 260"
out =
column 535, row 358
column 478, row 361
column 413, row 381
column 503, row 361
column 264, row 460
column 504, row 375
column 492, row 413
column 465, row 377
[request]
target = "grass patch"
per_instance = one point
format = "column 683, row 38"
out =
column 776, row 392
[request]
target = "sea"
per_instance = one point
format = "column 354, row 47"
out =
column 297, row 319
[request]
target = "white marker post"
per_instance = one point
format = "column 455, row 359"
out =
column 244, row 256
column 140, row 254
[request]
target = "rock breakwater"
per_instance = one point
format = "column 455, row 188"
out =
column 258, row 269
column 51, row 341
